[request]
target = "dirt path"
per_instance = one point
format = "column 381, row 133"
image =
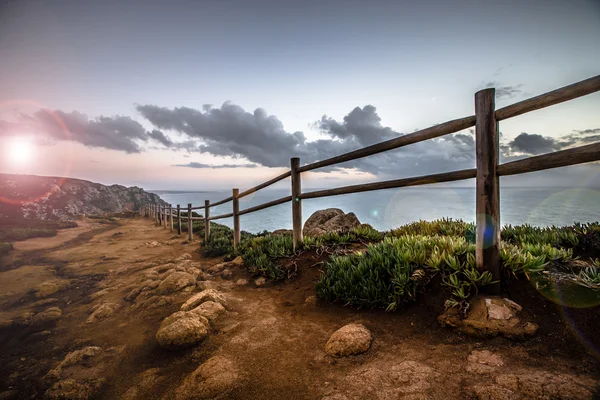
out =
column 268, row 345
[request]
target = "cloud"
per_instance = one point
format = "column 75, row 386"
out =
column 200, row 165
column 230, row 131
column 505, row 92
column 160, row 137
column 115, row 133
column 534, row 144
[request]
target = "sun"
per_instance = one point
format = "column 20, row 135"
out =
column 20, row 151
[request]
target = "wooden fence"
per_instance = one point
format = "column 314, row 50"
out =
column 487, row 173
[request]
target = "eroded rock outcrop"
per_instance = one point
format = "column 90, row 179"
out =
column 489, row 317
column 181, row 330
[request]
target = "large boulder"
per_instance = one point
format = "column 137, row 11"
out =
column 349, row 340
column 70, row 389
column 489, row 317
column 329, row 220
column 181, row 330
column 102, row 311
column 212, row 380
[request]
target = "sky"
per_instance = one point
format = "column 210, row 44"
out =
column 207, row 95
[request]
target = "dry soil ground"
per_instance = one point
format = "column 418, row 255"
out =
column 272, row 338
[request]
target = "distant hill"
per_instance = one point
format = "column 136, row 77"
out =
column 53, row 198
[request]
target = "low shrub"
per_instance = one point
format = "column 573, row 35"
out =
column 5, row 248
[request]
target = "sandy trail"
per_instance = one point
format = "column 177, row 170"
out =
column 272, row 339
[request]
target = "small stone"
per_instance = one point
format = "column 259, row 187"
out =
column 102, row 312
column 260, row 281
column 512, row 304
column 205, row 295
column 210, row 310
column 311, row 300
column 241, row 282
column 183, row 257
column 226, row 274
column 175, row 282
column 349, row 340
column 47, row 317
column 483, row 361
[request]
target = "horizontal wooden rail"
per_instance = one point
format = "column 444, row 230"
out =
column 266, row 205
column 557, row 96
column 419, row 136
column 198, row 208
column 221, row 216
column 563, row 158
column 218, row 203
column 265, row 184
column 396, row 183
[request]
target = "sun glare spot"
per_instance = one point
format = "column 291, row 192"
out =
column 20, row 151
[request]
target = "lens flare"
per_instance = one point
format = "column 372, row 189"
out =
column 20, row 151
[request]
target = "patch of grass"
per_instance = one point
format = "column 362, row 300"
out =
column 391, row 273
column 5, row 248
column 102, row 218
column 12, row 230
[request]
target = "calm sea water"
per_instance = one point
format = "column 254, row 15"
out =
column 387, row 209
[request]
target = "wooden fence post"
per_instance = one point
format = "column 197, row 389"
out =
column 165, row 216
column 296, row 203
column 190, row 223
column 171, row 218
column 488, row 188
column 178, row 219
column 236, row 218
column 206, row 221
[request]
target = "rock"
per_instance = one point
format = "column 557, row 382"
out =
column 349, row 340
column 73, row 358
column 134, row 293
column 218, row 268
column 195, row 272
column 102, row 311
column 98, row 294
column 70, row 389
column 205, row 295
column 181, row 330
column 214, row 379
column 260, row 281
column 329, row 220
column 241, row 282
column 227, row 274
column 154, row 243
column 44, row 302
column 48, row 317
column 145, row 385
column 210, row 310
column 311, row 301
column 483, row 361
column 489, row 317
column 175, row 282
column 183, row 257
column 48, row 288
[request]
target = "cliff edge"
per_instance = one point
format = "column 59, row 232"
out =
column 53, row 198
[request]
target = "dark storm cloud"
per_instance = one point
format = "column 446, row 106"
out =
column 534, row 144
column 200, row 165
column 115, row 133
column 230, row 131
column 361, row 124
column 505, row 92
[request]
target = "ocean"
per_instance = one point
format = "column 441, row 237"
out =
column 387, row 209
